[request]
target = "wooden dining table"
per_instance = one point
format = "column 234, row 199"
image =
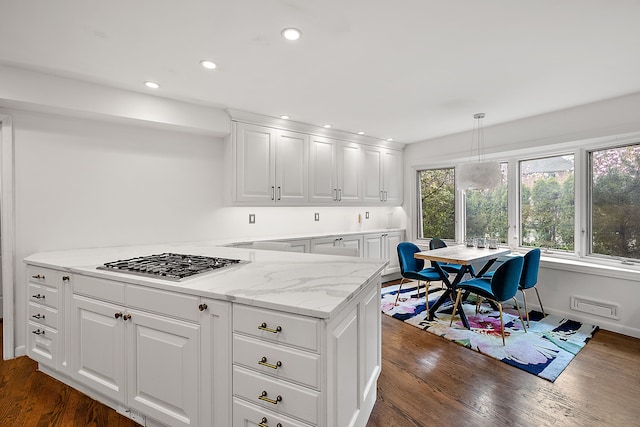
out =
column 464, row 256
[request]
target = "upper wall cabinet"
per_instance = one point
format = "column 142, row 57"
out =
column 271, row 165
column 382, row 181
column 334, row 171
column 281, row 167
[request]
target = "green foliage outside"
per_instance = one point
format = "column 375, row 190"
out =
column 437, row 192
column 487, row 213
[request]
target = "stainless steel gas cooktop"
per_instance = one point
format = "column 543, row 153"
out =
column 169, row 266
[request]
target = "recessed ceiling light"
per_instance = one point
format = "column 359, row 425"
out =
column 360, row 133
column 389, row 139
column 326, row 126
column 152, row 85
column 291, row 34
column 209, row 65
column 284, row 117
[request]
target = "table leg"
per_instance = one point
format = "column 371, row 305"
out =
column 449, row 293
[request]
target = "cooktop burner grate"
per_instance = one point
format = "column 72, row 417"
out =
column 169, row 266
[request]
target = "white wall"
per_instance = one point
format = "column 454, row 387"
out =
column 86, row 183
column 611, row 117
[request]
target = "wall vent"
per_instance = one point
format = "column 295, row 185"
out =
column 599, row 308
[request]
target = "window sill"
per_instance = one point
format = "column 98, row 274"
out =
column 590, row 267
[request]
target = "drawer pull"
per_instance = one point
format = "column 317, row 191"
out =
column 65, row 278
column 263, row 327
column 264, row 397
column 38, row 316
column 118, row 315
column 202, row 307
column 263, row 362
column 126, row 317
column 38, row 332
column 38, row 296
column 38, row 276
column 263, row 423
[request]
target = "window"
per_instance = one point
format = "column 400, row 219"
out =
column 486, row 210
column 437, row 203
column 547, row 211
column 615, row 201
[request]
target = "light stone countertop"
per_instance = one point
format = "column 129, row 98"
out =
column 301, row 283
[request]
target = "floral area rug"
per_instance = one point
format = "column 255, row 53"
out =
column 546, row 349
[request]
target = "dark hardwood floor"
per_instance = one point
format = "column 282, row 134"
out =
column 425, row 381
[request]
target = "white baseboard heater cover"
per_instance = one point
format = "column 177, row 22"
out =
column 599, row 308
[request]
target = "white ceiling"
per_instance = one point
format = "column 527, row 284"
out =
column 406, row 69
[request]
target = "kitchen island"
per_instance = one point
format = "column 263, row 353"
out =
column 281, row 339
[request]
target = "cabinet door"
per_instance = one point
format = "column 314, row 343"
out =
column 292, row 167
column 348, row 171
column 255, row 163
column 392, row 176
column 215, row 395
column 393, row 239
column 323, row 186
column 163, row 368
column 372, row 174
column 324, row 241
column 373, row 246
column 352, row 242
column 98, row 346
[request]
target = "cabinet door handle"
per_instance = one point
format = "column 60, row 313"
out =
column 279, row 193
column 38, row 276
column 38, row 296
column 264, row 397
column 263, row 423
column 273, row 192
column 335, row 194
column 339, row 194
column 382, row 196
column 263, row 362
column 263, row 327
column 38, row 332
column 118, row 315
column 126, row 317
column 386, row 195
column 38, row 316
column 202, row 307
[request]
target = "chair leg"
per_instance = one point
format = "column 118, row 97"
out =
column 501, row 322
column 540, row 301
column 426, row 292
column 478, row 302
column 455, row 306
column 519, row 314
column 526, row 310
column 418, row 288
column 399, row 289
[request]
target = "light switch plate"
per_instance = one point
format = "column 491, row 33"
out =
column 366, row 215
column 316, row 216
column 252, row 218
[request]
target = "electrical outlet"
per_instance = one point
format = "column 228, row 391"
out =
column 366, row 215
column 252, row 218
column 316, row 216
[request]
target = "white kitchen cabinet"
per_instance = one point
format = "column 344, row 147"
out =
column 346, row 241
column 384, row 246
column 271, row 165
column 334, row 169
column 382, row 181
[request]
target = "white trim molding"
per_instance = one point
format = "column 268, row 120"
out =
column 7, row 233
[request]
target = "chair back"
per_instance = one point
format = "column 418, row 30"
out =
column 505, row 280
column 529, row 276
column 406, row 250
column 437, row 244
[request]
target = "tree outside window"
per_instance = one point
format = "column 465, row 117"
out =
column 437, row 203
column 547, row 202
column 486, row 210
column 615, row 202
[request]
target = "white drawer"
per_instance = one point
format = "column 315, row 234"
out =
column 277, row 326
column 163, row 302
column 44, row 276
column 43, row 315
column 283, row 397
column 44, row 295
column 278, row 361
column 43, row 344
column 248, row 415
column 108, row 290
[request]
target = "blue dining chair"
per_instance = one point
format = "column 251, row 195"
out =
column 436, row 243
column 529, row 278
column 413, row 269
column 501, row 287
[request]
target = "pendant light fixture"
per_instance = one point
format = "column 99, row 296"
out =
column 478, row 175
